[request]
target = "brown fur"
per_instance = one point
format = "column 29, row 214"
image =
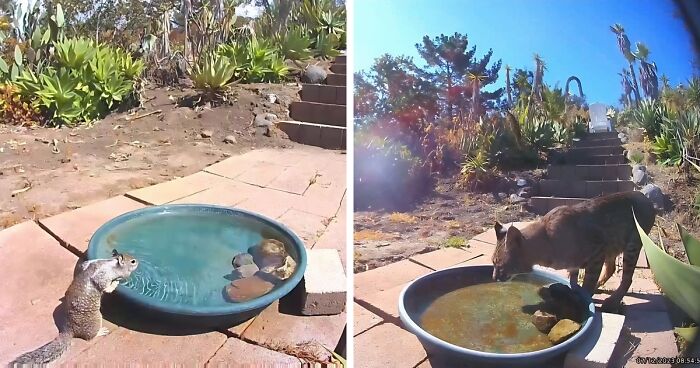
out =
column 586, row 235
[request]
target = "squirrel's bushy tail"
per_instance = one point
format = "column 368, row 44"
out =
column 47, row 353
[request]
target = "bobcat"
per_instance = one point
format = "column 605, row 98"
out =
column 586, row 235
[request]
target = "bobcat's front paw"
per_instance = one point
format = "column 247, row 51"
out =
column 610, row 306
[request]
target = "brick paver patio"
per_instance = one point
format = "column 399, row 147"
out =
column 304, row 188
column 380, row 341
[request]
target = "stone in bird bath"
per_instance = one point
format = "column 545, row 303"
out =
column 248, row 288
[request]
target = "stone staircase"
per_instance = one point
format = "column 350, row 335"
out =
column 319, row 119
column 594, row 166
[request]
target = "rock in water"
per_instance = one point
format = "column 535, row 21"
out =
column 544, row 321
column 246, row 270
column 242, row 259
column 242, row 290
column 314, row 74
column 563, row 330
column 284, row 272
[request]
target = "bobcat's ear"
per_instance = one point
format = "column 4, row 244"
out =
column 500, row 233
column 513, row 237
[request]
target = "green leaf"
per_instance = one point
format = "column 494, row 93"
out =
column 59, row 16
column 14, row 73
column 679, row 281
column 3, row 66
column 692, row 246
column 18, row 56
column 46, row 37
column 687, row 333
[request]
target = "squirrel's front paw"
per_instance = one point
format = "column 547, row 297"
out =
column 103, row 331
column 112, row 285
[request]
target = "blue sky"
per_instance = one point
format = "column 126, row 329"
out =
column 573, row 37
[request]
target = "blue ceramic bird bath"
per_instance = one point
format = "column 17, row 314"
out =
column 185, row 253
column 462, row 317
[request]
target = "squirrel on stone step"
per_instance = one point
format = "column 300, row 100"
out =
column 83, row 300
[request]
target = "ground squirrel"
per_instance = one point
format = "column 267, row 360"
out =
column 84, row 320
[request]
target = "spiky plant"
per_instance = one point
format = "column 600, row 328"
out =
column 536, row 94
column 623, row 43
column 508, row 89
column 647, row 72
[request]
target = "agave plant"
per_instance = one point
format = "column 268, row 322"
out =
column 295, row 44
column 75, row 52
column 326, row 46
column 213, row 74
column 539, row 133
column 692, row 93
column 60, row 95
column 650, row 115
column 679, row 138
column 110, row 82
column 323, row 16
column 679, row 281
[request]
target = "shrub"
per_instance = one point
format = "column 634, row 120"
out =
column 650, row 116
column 636, row 157
column 83, row 82
column 213, row 73
column 387, row 175
column 255, row 61
column 678, row 138
column 13, row 110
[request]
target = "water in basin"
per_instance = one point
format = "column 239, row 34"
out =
column 488, row 316
column 184, row 258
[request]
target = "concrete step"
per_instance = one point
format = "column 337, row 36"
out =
column 318, row 113
column 339, row 68
column 542, row 205
column 336, row 79
column 595, row 150
column 592, row 142
column 601, row 135
column 589, row 172
column 323, row 93
column 590, row 160
column 342, row 59
column 582, row 188
column 319, row 135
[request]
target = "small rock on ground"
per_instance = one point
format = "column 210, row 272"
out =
column 230, row 139
column 639, row 175
column 206, row 133
column 314, row 74
column 655, row 194
column 514, row 198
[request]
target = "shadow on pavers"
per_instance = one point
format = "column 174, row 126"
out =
column 134, row 317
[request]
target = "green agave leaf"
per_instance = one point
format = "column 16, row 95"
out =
column 60, row 20
column 14, row 72
column 679, row 281
column 687, row 333
column 692, row 246
column 46, row 37
column 18, row 55
column 36, row 39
